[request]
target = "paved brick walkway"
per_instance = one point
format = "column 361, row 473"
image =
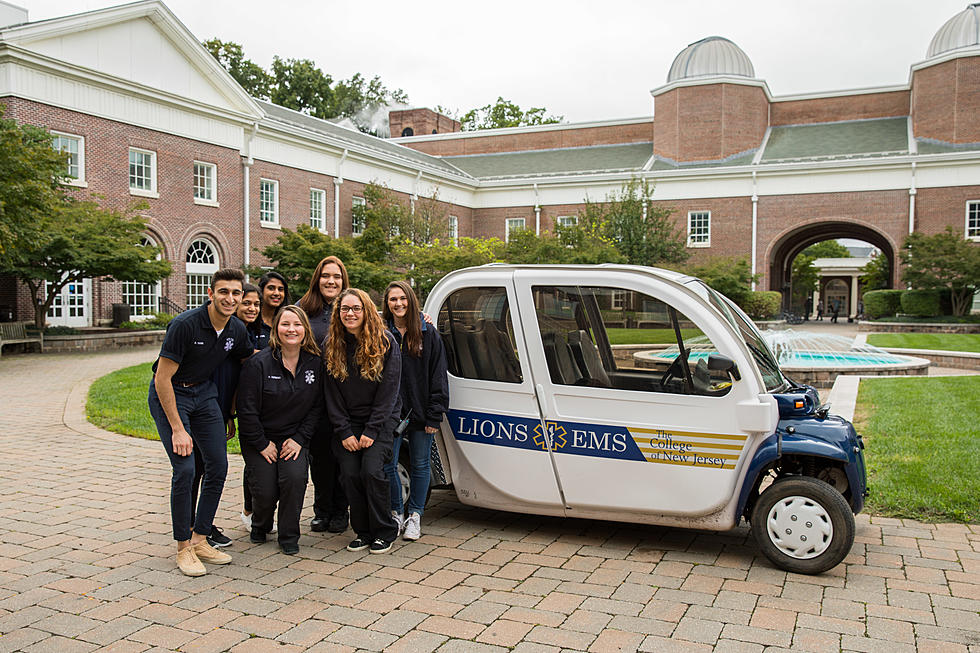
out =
column 86, row 563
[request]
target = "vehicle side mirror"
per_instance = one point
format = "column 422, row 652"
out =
column 719, row 363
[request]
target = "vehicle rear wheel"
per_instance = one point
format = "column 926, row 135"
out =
column 405, row 478
column 803, row 525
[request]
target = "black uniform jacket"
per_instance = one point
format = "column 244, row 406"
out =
column 357, row 406
column 274, row 405
column 425, row 386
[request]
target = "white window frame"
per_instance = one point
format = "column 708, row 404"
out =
column 566, row 220
column 698, row 239
column 78, row 180
column 199, row 270
column 137, row 289
column 512, row 224
column 454, row 229
column 974, row 232
column 318, row 209
column 264, row 211
column 136, row 190
column 356, row 228
column 213, row 199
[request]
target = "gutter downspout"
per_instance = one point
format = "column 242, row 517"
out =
column 912, row 192
column 337, row 181
column 415, row 190
column 247, row 162
column 537, row 212
column 755, row 226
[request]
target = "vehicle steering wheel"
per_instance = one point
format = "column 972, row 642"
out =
column 676, row 368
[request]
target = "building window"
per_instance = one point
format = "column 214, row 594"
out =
column 358, row 204
column 142, row 172
column 973, row 220
column 318, row 208
column 566, row 220
column 268, row 201
column 513, row 224
column 454, row 229
column 205, row 183
column 201, row 263
column 143, row 298
column 408, row 131
column 74, row 147
column 699, row 229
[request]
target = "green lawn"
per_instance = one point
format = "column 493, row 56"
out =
column 117, row 403
column 647, row 336
column 944, row 341
column 922, row 453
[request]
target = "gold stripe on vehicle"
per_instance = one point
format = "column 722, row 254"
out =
column 688, row 434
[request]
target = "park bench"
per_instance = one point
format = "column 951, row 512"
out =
column 12, row 333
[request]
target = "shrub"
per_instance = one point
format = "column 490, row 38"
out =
column 882, row 303
column 762, row 304
column 158, row 321
column 61, row 331
column 921, row 303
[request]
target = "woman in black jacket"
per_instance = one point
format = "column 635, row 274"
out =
column 280, row 401
column 424, row 396
column 361, row 388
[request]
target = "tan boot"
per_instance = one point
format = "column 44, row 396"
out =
column 188, row 562
column 207, row 553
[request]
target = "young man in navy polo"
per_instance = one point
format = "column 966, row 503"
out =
column 184, row 404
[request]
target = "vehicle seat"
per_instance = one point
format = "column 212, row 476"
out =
column 560, row 360
column 587, row 358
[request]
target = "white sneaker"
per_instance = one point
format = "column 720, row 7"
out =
column 413, row 527
column 399, row 522
column 247, row 520
column 274, row 527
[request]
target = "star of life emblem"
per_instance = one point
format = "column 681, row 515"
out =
column 310, row 376
column 555, row 436
column 229, row 343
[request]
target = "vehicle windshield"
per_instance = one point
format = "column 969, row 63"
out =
column 764, row 358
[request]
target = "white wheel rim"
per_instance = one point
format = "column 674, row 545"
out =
column 405, row 480
column 800, row 527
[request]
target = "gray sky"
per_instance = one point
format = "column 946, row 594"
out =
column 583, row 60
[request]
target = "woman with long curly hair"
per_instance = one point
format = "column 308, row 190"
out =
column 424, row 398
column 363, row 369
column 280, row 401
column 329, row 502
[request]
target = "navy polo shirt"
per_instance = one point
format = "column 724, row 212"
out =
column 320, row 323
column 262, row 334
column 198, row 350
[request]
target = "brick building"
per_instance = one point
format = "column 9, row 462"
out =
column 147, row 113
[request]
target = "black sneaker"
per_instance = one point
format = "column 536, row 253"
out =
column 358, row 544
column 319, row 524
column 256, row 536
column 218, row 539
column 337, row 523
column 289, row 549
column 380, row 546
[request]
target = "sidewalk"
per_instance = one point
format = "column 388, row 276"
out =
column 86, row 563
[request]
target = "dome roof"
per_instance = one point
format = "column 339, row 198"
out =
column 960, row 31
column 710, row 57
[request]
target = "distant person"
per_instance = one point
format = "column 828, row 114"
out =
column 808, row 308
column 835, row 310
column 820, row 311
column 183, row 401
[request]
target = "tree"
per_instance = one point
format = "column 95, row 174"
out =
column 644, row 234
column 83, row 240
column 505, row 113
column 876, row 273
column 827, row 249
column 251, row 76
column 396, row 220
column 731, row 276
column 804, row 278
column 432, row 262
column 299, row 85
column 943, row 261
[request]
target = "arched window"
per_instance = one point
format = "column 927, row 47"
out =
column 201, row 263
column 143, row 298
column 408, row 131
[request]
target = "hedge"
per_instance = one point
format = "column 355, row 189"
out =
column 921, row 303
column 882, row 303
column 762, row 304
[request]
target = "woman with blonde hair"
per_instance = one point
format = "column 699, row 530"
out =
column 363, row 369
column 280, row 402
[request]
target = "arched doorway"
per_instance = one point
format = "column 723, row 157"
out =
column 791, row 244
column 836, row 293
column 202, row 263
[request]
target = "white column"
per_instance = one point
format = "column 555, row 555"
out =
column 854, row 296
column 336, row 207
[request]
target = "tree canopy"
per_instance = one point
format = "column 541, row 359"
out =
column 943, row 261
column 504, row 113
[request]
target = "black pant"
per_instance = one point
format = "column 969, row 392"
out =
column 329, row 499
column 364, row 479
column 282, row 482
column 199, row 474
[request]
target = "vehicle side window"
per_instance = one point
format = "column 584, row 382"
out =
column 615, row 338
column 475, row 325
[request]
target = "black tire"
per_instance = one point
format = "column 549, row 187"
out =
column 803, row 503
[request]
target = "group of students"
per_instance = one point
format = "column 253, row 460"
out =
column 325, row 388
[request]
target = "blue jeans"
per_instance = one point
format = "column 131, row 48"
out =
column 201, row 416
column 419, row 446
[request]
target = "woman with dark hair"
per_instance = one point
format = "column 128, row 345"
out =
column 329, row 502
column 274, row 293
column 280, row 401
column 363, row 368
column 424, row 398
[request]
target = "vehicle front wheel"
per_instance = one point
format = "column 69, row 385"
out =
column 803, row 525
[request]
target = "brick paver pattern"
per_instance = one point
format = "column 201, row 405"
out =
column 87, row 562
